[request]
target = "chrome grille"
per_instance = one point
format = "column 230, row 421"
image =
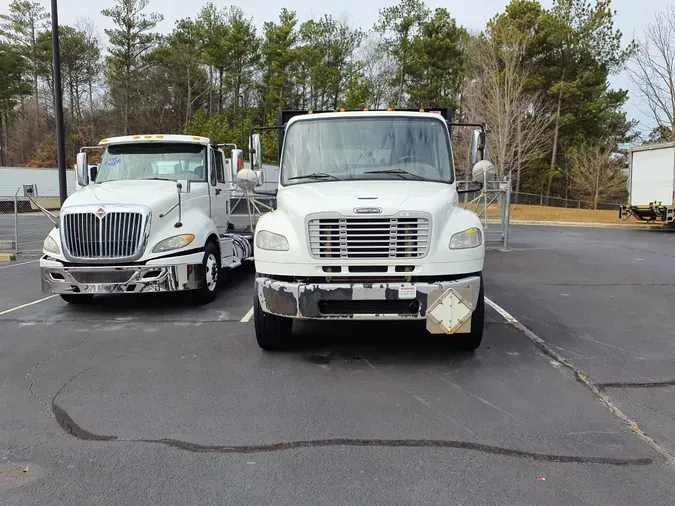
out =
column 400, row 237
column 116, row 235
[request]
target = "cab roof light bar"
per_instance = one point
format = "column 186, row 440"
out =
column 283, row 116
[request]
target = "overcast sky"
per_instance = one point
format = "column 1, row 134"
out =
column 631, row 18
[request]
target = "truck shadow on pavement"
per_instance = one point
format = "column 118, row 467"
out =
column 409, row 341
column 399, row 341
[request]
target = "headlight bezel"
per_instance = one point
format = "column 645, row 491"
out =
column 466, row 239
column 165, row 244
column 264, row 240
column 49, row 241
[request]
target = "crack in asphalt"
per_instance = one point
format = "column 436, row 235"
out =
column 582, row 378
column 646, row 384
column 70, row 427
column 6, row 453
column 73, row 429
column 29, row 373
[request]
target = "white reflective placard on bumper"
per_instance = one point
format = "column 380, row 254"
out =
column 450, row 312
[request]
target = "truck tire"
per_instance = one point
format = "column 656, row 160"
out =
column 271, row 331
column 72, row 298
column 211, row 267
column 472, row 340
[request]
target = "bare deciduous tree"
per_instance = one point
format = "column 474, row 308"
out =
column 594, row 174
column 495, row 93
column 653, row 70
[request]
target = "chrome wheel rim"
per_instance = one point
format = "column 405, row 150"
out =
column 211, row 272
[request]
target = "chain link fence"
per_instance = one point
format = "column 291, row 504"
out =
column 23, row 226
column 535, row 199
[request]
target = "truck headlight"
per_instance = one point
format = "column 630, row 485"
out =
column 469, row 238
column 175, row 242
column 269, row 241
column 51, row 246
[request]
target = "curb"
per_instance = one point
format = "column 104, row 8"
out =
column 586, row 225
column 7, row 257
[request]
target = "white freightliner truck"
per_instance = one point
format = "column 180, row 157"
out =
column 651, row 183
column 368, row 225
column 154, row 216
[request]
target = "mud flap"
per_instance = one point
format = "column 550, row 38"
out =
column 450, row 311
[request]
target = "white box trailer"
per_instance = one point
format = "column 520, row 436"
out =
column 651, row 183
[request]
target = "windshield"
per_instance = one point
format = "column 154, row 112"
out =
column 169, row 162
column 366, row 148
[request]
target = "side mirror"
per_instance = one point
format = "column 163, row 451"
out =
column 477, row 146
column 237, row 160
column 255, row 148
column 82, row 169
column 483, row 171
column 261, row 177
column 93, row 172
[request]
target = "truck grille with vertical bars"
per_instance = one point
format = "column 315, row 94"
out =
column 364, row 238
column 116, row 235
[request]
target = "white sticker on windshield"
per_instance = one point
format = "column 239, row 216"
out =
column 407, row 292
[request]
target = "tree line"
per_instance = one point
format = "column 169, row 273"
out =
column 538, row 77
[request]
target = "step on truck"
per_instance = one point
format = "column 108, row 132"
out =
column 368, row 225
column 153, row 216
column 651, row 184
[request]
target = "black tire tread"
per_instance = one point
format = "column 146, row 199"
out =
column 271, row 331
column 473, row 339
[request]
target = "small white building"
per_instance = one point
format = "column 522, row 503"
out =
column 46, row 181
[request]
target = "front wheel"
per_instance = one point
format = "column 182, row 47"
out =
column 271, row 331
column 472, row 340
column 211, row 269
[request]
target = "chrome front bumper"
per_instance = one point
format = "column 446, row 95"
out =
column 57, row 278
column 360, row 301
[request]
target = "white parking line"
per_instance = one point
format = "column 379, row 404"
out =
column 16, row 265
column 247, row 317
column 580, row 376
column 501, row 311
column 7, row 311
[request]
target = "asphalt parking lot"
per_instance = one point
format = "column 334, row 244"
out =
column 151, row 399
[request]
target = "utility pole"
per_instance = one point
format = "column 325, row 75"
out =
column 58, row 105
column 243, row 119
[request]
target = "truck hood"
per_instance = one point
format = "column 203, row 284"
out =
column 158, row 195
column 344, row 196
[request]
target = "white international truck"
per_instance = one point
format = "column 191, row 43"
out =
column 153, row 216
column 368, row 225
column 651, row 183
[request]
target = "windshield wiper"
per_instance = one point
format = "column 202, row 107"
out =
column 316, row 175
column 399, row 172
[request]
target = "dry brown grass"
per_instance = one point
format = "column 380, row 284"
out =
column 520, row 212
column 543, row 213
